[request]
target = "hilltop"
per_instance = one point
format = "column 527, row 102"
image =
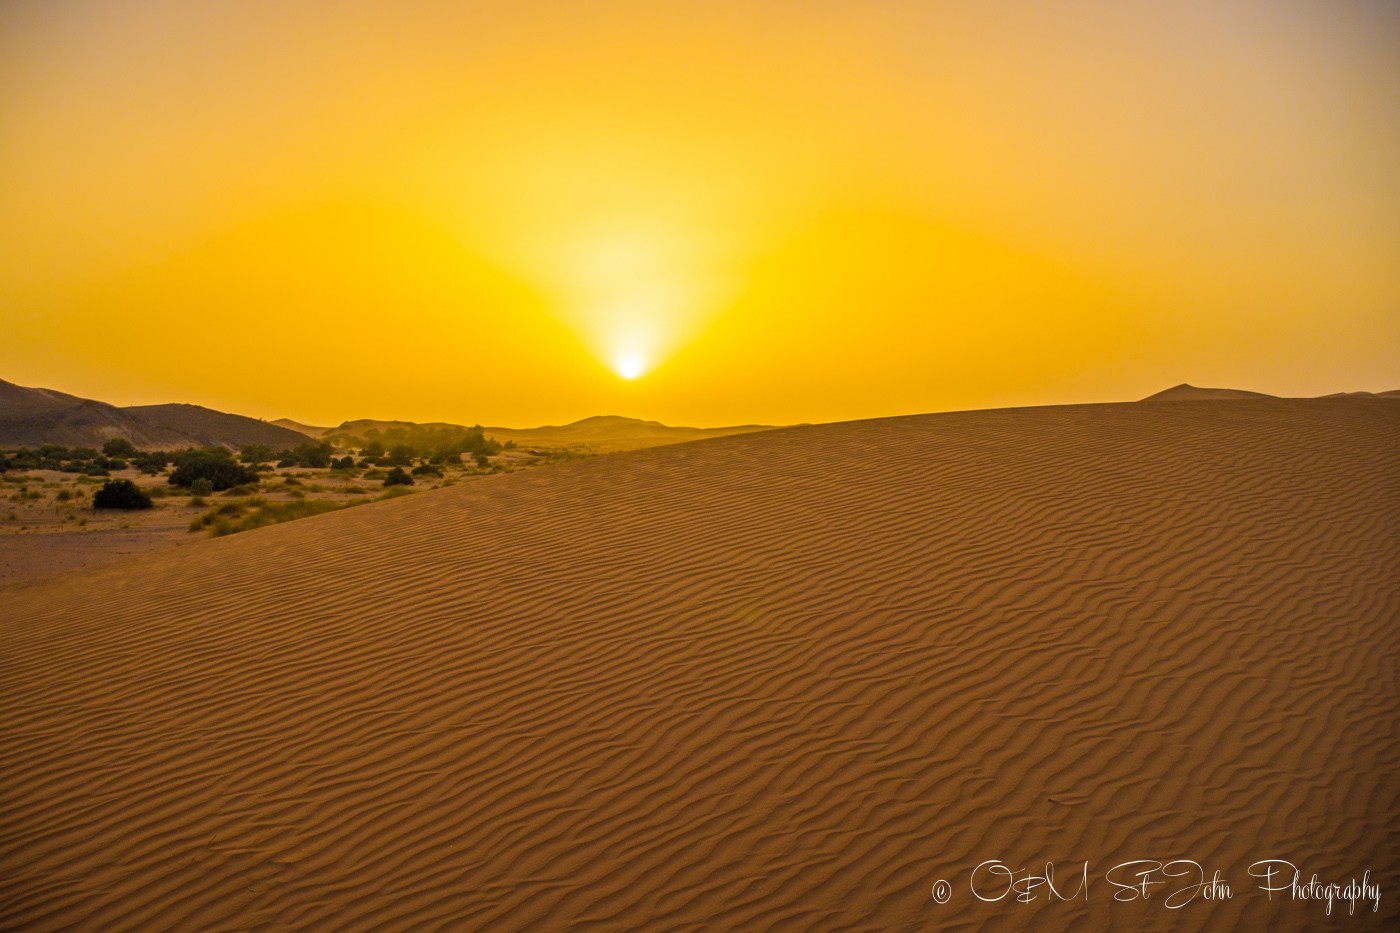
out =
column 33, row 417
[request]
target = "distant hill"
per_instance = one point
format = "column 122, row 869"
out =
column 310, row 430
column 1189, row 393
column 20, row 397
column 208, row 426
column 598, row 434
column 32, row 417
column 614, row 432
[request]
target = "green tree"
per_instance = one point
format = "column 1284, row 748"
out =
column 119, row 447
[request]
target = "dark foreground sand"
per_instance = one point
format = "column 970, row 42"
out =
column 777, row 681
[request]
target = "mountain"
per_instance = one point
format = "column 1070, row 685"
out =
column 215, row 428
column 32, row 417
column 1189, row 393
column 598, row 434
column 20, row 397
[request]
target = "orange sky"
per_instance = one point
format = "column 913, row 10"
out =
column 778, row 212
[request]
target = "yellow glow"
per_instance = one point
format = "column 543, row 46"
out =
column 776, row 212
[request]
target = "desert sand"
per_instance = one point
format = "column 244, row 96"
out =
column 785, row 680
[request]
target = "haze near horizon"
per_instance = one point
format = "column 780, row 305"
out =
column 700, row 214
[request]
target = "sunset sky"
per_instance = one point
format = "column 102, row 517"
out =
column 763, row 211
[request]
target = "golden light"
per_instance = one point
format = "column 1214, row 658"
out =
column 630, row 366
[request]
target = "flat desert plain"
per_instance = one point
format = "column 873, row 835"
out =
column 787, row 680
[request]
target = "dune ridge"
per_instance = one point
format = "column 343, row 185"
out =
column 770, row 681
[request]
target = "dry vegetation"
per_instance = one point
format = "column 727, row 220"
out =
column 48, row 523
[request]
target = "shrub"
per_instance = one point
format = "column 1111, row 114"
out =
column 152, row 462
column 255, row 453
column 121, row 494
column 397, row 477
column 119, row 447
column 427, row 470
column 214, row 464
column 314, row 455
column 201, row 487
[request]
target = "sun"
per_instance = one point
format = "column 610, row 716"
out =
column 629, row 366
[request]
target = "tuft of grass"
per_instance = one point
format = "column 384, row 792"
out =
column 255, row 512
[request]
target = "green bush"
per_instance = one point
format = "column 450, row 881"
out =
column 255, row 453
column 316, row 455
column 427, row 470
column 397, row 477
column 121, row 494
column 214, row 464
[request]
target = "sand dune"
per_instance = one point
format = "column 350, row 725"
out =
column 784, row 680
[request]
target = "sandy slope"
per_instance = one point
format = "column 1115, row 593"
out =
column 781, row 680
